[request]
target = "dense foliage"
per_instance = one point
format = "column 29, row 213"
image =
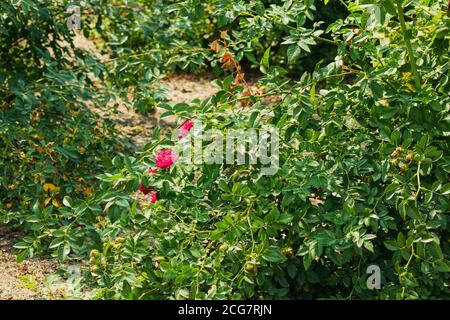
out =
column 51, row 144
column 361, row 105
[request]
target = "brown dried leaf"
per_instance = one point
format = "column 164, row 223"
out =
column 315, row 200
column 223, row 34
column 227, row 60
column 215, row 46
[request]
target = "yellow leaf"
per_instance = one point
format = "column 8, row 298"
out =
column 23, row 155
column 9, row 205
column 47, row 201
column 50, row 187
column 87, row 191
column 410, row 87
column 406, row 75
column 56, row 203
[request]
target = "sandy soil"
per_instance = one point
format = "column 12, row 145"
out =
column 24, row 281
column 138, row 127
column 187, row 87
column 135, row 126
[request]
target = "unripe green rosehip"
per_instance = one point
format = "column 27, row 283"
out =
column 120, row 239
column 251, row 268
column 404, row 167
column 94, row 254
column 287, row 251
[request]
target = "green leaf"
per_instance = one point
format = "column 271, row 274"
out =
column 227, row 82
column 445, row 190
column 67, row 201
column 21, row 245
column 63, row 251
column 435, row 250
column 265, row 61
column 400, row 239
column 260, row 8
column 36, row 208
column 292, row 270
column 156, row 133
column 285, row 218
column 369, row 246
column 391, row 245
column 55, row 243
column 304, row 46
column 443, row 266
column 307, row 260
column 114, row 213
column 223, row 185
column 390, row 7
column 273, row 254
column 126, row 288
column 22, row 255
column 436, row 106
column 122, row 203
column 293, row 51
column 195, row 253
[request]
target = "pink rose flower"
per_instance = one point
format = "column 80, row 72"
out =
column 153, row 197
column 185, row 128
column 188, row 125
column 165, row 158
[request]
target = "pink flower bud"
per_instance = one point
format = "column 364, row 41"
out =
column 185, row 128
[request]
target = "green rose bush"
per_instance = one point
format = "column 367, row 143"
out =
column 288, row 188
column 362, row 178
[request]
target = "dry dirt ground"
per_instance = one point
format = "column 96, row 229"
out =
column 23, row 281
column 139, row 128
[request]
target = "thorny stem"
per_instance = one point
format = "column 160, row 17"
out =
column 406, row 267
column 418, row 180
column 251, row 231
column 197, row 282
column 407, row 39
column 358, row 277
